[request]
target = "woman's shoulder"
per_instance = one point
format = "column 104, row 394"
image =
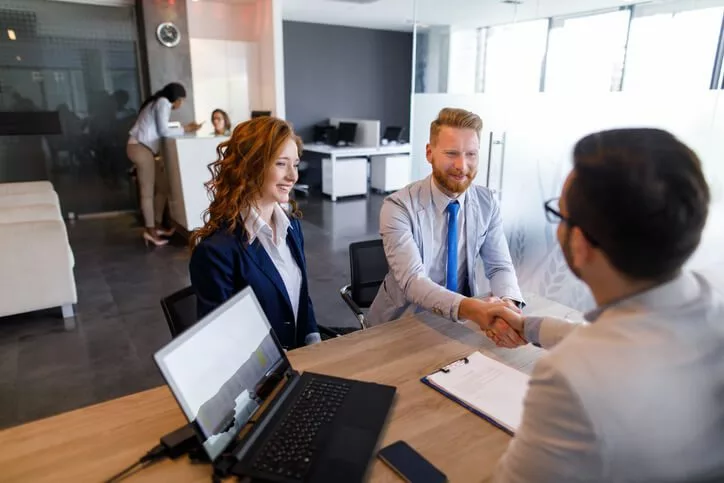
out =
column 221, row 238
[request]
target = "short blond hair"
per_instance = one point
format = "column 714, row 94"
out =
column 457, row 118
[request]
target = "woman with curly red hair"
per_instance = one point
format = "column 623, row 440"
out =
column 252, row 235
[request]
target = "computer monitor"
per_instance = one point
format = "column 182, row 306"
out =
column 346, row 132
column 218, row 369
column 323, row 133
column 392, row 134
column 260, row 114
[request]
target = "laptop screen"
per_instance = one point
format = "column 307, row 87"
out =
column 216, row 368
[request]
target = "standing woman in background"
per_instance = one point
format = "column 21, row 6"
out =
column 252, row 236
column 144, row 145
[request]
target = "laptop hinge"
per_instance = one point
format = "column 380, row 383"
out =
column 247, row 442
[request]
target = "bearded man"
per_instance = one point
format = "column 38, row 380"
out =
column 435, row 230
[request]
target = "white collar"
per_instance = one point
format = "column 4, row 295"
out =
column 255, row 225
column 681, row 290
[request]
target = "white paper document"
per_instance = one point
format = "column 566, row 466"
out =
column 486, row 385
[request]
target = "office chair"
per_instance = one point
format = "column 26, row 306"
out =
column 179, row 308
column 368, row 267
column 302, row 187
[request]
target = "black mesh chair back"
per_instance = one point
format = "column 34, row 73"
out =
column 368, row 267
column 180, row 310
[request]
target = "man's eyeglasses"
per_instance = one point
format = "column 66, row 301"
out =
column 554, row 215
column 553, row 211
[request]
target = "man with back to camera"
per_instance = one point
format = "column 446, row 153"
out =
column 444, row 221
column 637, row 395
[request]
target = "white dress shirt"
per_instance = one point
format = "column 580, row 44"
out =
column 278, row 250
column 437, row 270
column 634, row 396
column 152, row 125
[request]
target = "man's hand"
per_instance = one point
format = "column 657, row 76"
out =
column 517, row 325
column 496, row 318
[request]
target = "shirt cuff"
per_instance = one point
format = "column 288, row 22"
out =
column 312, row 338
column 455, row 309
column 531, row 330
column 517, row 302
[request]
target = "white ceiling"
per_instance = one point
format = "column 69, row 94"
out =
column 381, row 14
column 399, row 14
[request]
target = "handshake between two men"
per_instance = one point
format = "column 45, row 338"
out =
column 500, row 320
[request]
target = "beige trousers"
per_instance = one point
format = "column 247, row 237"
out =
column 152, row 182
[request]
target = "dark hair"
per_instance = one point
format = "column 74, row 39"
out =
column 172, row 92
column 225, row 116
column 640, row 194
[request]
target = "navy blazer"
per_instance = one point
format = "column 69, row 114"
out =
column 224, row 263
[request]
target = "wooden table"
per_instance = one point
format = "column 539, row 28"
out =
column 93, row 443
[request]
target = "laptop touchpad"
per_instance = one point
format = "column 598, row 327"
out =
column 350, row 443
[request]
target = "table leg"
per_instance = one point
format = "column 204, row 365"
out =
column 333, row 159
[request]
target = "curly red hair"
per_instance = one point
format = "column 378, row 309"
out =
column 238, row 174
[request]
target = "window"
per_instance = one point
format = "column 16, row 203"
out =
column 586, row 54
column 514, row 57
column 463, row 56
column 672, row 50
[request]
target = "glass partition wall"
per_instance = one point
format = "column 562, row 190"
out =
column 544, row 73
column 69, row 92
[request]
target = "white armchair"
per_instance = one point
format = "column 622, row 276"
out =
column 36, row 261
column 37, row 268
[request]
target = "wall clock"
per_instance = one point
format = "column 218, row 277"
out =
column 168, row 34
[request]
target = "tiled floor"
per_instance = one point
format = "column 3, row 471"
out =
column 46, row 369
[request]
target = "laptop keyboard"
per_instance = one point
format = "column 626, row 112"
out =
column 291, row 449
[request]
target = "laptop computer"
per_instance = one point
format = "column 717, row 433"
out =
column 253, row 411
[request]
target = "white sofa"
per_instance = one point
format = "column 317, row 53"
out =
column 36, row 261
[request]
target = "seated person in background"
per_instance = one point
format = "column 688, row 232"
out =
column 250, row 237
column 221, row 123
column 435, row 230
column 638, row 394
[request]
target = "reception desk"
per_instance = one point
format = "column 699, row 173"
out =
column 187, row 159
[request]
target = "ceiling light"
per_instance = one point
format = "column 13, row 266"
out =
column 11, row 34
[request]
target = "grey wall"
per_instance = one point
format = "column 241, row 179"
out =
column 160, row 64
column 332, row 71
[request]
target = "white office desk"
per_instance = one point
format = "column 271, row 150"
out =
column 348, row 182
column 187, row 159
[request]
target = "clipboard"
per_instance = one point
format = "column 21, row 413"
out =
column 517, row 386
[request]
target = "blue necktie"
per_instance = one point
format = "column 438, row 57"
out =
column 452, row 246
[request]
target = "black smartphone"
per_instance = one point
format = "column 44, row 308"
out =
column 410, row 464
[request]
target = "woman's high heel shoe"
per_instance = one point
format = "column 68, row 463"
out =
column 147, row 237
column 168, row 232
